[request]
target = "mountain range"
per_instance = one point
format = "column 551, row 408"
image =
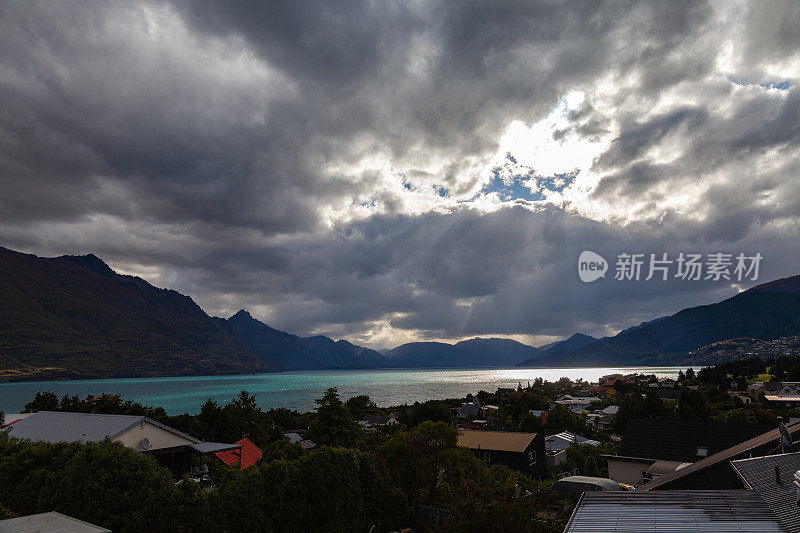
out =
column 74, row 317
column 767, row 311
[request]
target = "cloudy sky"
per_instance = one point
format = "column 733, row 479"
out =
column 393, row 171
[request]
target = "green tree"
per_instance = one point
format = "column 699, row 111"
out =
column 590, row 467
column 432, row 411
column 334, row 424
column 414, row 458
column 103, row 483
column 42, row 401
column 359, row 404
column 210, row 421
column 327, row 489
column 693, row 405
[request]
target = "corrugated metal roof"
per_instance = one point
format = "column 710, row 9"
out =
column 502, row 441
column 565, row 439
column 759, row 474
column 72, row 427
column 51, row 522
column 731, row 453
column 248, row 455
column 213, row 447
column 59, row 426
column 723, row 511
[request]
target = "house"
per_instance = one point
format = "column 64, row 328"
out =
column 504, row 391
column 521, row 451
column 666, row 383
column 171, row 448
column 378, row 421
column 469, row 409
column 248, row 455
column 593, row 419
column 743, row 396
column 542, row 415
column 755, row 388
column 653, row 447
column 576, row 405
column 565, row 439
column 716, row 471
column 687, row 511
column 787, row 395
column 773, row 478
column 600, row 391
column 295, row 437
column 51, row 522
column 603, row 418
column 556, row 446
column 610, row 410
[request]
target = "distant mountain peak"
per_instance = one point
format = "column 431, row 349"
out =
column 90, row 262
column 241, row 314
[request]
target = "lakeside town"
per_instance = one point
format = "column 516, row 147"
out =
column 717, row 443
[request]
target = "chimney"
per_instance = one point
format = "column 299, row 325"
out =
column 777, row 474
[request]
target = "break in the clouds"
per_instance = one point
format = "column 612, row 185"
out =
column 389, row 171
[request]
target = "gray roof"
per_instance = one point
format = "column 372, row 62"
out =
column 57, row 426
column 723, row 511
column 51, row 522
column 565, row 439
column 759, row 474
column 213, row 447
column 767, row 440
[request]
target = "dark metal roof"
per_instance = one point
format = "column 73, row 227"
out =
column 51, row 522
column 60, row 426
column 72, row 427
column 678, row 440
column 723, row 511
column 762, row 442
column 759, row 474
column 213, row 447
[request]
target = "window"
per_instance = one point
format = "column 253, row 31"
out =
column 702, row 451
column 486, row 455
column 532, row 458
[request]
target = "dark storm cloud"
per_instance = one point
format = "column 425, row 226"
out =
column 322, row 163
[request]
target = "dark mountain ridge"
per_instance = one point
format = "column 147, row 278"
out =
column 73, row 317
column 291, row 352
column 477, row 352
column 767, row 311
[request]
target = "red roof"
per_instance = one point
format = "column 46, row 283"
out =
column 250, row 454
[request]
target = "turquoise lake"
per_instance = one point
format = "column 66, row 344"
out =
column 297, row 390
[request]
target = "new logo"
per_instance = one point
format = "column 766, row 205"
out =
column 591, row 266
